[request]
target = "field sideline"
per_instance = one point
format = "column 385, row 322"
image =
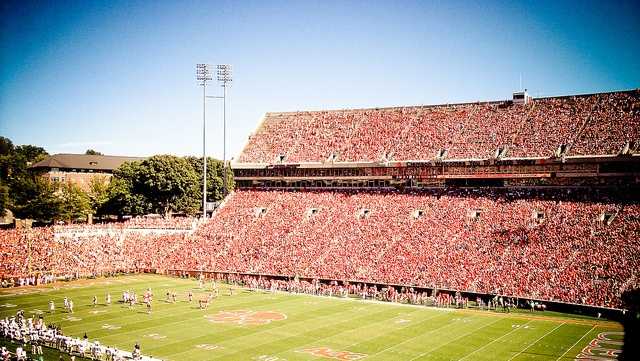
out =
column 280, row 326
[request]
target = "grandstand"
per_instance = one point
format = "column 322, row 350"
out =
column 522, row 199
column 526, row 197
column 582, row 125
column 532, row 201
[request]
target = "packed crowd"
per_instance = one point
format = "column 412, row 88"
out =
column 550, row 246
column 588, row 125
column 569, row 246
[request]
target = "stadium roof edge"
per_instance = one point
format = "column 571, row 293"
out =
column 488, row 102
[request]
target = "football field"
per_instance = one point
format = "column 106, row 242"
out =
column 250, row 325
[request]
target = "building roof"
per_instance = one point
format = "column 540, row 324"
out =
column 85, row 161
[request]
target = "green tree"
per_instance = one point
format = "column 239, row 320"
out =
column 4, row 198
column 42, row 201
column 76, row 204
column 16, row 175
column 214, row 177
column 92, row 152
column 169, row 183
column 6, row 146
column 123, row 198
column 98, row 193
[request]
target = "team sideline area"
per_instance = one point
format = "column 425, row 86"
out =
column 261, row 325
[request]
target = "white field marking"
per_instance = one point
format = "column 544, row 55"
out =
column 107, row 326
column 95, row 312
column 350, row 299
column 145, row 328
column 208, row 347
column 22, row 292
column 269, row 329
column 536, row 341
column 304, row 321
column 457, row 338
column 499, row 338
column 8, row 305
column 72, row 318
column 525, row 327
column 155, row 336
column 575, row 343
column 36, row 311
column 461, row 319
column 315, row 341
column 402, row 320
column 269, row 358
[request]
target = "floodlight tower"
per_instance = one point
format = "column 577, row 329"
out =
column 203, row 74
column 224, row 72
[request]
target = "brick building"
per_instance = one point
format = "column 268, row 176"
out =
column 80, row 168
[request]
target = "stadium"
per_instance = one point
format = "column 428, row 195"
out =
column 489, row 230
column 338, row 180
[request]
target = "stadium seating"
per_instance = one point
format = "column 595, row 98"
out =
column 597, row 124
column 578, row 246
column 551, row 245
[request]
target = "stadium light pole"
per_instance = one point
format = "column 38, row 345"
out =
column 224, row 72
column 203, row 74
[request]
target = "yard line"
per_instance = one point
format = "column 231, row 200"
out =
column 411, row 338
column 284, row 326
column 536, row 341
column 508, row 333
column 457, row 338
column 574, row 345
column 350, row 330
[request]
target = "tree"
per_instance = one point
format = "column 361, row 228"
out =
column 24, row 193
column 121, row 201
column 98, row 193
column 169, row 183
column 6, row 146
column 4, row 199
column 123, row 198
column 76, row 204
column 214, row 177
column 42, row 201
column 92, row 152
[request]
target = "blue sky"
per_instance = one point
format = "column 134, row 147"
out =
column 119, row 76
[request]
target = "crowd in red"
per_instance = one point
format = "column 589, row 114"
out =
column 593, row 124
column 548, row 245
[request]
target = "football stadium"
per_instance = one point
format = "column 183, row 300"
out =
column 316, row 217
column 492, row 230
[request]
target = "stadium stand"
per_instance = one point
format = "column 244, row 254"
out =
column 552, row 245
column 553, row 229
column 595, row 124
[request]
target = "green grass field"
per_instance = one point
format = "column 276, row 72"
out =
column 264, row 326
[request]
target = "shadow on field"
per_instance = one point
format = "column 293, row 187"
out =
column 631, row 324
